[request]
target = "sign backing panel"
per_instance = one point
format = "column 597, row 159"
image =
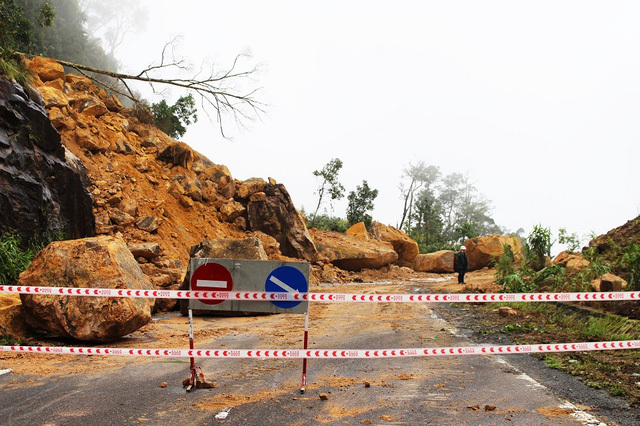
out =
column 250, row 275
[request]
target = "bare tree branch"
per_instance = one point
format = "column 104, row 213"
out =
column 216, row 90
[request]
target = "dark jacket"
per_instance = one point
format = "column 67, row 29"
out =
column 460, row 264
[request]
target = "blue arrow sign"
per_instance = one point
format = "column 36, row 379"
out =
column 286, row 279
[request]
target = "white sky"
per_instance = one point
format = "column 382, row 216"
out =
column 539, row 102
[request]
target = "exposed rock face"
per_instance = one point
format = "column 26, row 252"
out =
column 438, row 262
column 352, row 253
column 42, row 186
column 406, row 248
column 276, row 215
column 97, row 262
column 621, row 236
column 481, row 251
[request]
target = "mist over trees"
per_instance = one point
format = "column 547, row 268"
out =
column 66, row 37
column 438, row 211
column 84, row 35
column 442, row 211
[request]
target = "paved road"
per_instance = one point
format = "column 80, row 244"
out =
column 471, row 390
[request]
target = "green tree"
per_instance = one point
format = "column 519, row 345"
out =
column 329, row 184
column 440, row 212
column 66, row 37
column 572, row 241
column 360, row 202
column 466, row 230
column 173, row 119
column 17, row 35
column 16, row 27
column 426, row 217
column 419, row 176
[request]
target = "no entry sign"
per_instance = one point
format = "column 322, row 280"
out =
column 211, row 277
column 250, row 276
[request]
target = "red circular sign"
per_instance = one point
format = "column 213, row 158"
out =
column 211, row 277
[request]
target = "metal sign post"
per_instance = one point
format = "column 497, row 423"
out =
column 304, row 360
column 192, row 363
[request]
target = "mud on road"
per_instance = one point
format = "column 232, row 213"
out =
column 47, row 389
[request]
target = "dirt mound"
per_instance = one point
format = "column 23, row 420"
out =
column 617, row 239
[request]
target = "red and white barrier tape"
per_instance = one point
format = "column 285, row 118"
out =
column 326, row 297
column 328, row 353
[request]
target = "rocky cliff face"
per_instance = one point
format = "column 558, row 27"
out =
column 42, row 185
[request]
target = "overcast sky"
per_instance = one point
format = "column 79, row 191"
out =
column 539, row 102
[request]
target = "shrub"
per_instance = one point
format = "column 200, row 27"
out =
column 330, row 223
column 15, row 257
column 505, row 265
column 538, row 247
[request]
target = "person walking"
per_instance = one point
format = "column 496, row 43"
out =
column 461, row 264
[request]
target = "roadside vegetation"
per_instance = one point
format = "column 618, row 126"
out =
column 537, row 273
column 617, row 372
column 16, row 256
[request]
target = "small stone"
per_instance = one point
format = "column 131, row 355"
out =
column 506, row 311
column 324, row 396
column 489, row 407
column 367, row 384
column 163, row 384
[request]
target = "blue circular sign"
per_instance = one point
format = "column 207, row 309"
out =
column 286, row 279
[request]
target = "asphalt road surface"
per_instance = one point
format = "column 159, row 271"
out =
column 463, row 390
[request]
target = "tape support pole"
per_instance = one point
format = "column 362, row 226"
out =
column 328, row 353
column 327, row 297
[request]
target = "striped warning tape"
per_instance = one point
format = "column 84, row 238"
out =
column 328, row 353
column 325, row 297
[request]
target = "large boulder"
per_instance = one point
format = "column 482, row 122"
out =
column 275, row 215
column 482, row 251
column 406, row 248
column 438, row 262
column 353, row 253
column 42, row 185
column 11, row 317
column 97, row 262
